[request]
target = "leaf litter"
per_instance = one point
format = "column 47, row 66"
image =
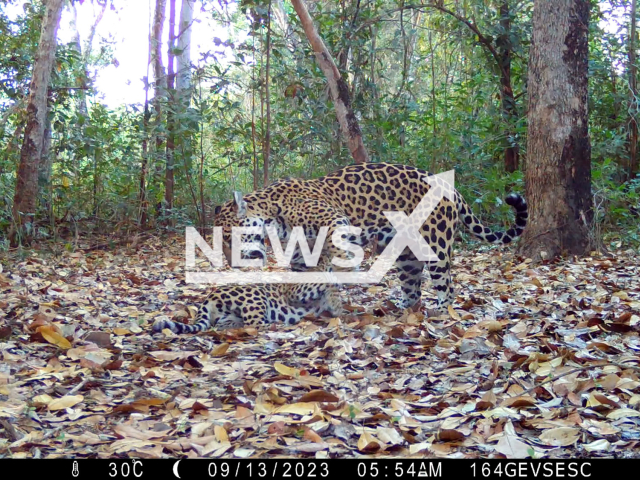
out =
column 531, row 362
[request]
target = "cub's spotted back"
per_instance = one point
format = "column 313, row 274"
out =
column 254, row 305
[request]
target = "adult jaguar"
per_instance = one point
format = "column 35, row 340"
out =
column 358, row 195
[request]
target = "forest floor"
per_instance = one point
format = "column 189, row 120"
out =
column 533, row 361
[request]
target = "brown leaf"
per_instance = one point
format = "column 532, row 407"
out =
column 220, row 350
column 311, row 435
column 5, row 331
column 102, row 339
column 276, row 428
column 318, row 396
column 450, row 435
column 367, row 443
column 520, row 401
column 113, row 365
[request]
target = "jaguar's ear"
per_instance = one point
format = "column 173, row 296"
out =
column 241, row 204
column 216, row 210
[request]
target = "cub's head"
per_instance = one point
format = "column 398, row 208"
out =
column 240, row 213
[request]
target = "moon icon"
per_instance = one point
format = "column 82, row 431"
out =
column 175, row 469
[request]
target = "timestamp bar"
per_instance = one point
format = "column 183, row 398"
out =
column 352, row 469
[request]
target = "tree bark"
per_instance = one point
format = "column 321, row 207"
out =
column 509, row 110
column 24, row 201
column 183, row 83
column 81, row 97
column 160, row 89
column 337, row 85
column 45, row 168
column 558, row 174
column 266, row 151
column 632, row 167
column 171, row 145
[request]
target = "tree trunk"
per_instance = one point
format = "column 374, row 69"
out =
column 45, row 168
column 171, row 145
column 159, row 90
column 558, row 174
column 337, row 85
column 144, row 203
column 509, row 111
column 266, row 151
column 81, row 97
column 632, row 167
column 183, row 84
column 24, row 201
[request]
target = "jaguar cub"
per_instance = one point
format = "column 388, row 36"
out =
column 254, row 305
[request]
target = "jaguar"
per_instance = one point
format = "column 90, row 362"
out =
column 256, row 305
column 358, row 196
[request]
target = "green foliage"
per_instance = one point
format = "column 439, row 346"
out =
column 424, row 86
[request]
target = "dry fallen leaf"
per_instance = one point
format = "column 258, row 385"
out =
column 220, row 350
column 52, row 336
column 318, row 396
column 367, row 443
column 560, row 437
column 67, row 401
column 284, row 370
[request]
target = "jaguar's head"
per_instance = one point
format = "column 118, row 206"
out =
column 241, row 213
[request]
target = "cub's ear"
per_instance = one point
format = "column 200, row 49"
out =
column 217, row 209
column 241, row 204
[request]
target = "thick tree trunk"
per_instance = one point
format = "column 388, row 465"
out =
column 337, row 85
column 24, row 201
column 558, row 174
column 632, row 167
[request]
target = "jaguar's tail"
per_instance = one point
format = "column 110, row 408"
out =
column 475, row 226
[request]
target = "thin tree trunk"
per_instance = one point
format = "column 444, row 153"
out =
column 81, row 97
column 160, row 91
column 253, row 121
column 183, row 84
column 24, row 201
column 45, row 168
column 144, row 203
column 509, row 110
column 502, row 58
column 183, row 94
column 171, row 93
column 632, row 167
column 558, row 174
column 337, row 85
column 434, row 158
column 266, row 152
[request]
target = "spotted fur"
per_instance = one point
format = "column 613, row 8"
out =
column 255, row 305
column 358, row 195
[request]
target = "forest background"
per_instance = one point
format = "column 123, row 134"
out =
column 230, row 97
